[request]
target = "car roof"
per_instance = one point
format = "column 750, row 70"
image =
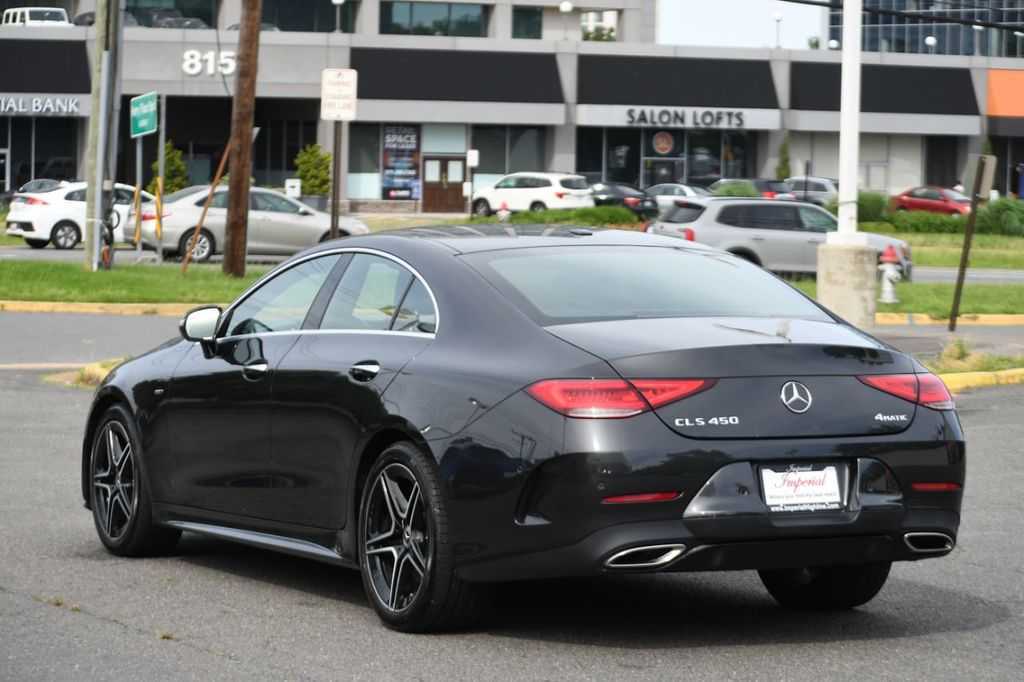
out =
column 462, row 239
column 544, row 174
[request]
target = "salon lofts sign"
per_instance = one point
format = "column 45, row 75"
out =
column 678, row 117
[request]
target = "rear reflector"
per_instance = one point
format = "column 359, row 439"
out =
column 923, row 389
column 935, row 487
column 613, row 398
column 641, row 498
column 632, row 202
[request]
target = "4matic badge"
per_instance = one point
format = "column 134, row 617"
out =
column 892, row 418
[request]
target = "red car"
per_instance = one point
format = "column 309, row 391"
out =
column 933, row 199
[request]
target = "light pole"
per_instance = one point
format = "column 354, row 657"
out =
column 931, row 42
column 778, row 30
column 1019, row 35
column 337, row 14
column 977, row 39
column 566, row 8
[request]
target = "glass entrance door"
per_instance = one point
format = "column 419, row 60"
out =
column 5, row 178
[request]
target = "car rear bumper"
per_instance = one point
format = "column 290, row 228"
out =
column 22, row 229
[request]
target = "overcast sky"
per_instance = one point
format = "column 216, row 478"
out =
column 737, row 23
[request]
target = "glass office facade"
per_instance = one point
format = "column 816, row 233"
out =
column 37, row 147
column 434, row 19
column 892, row 33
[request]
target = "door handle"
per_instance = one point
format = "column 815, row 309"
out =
column 364, row 371
column 255, row 372
column 757, row 239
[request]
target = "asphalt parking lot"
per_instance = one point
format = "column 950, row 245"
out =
column 218, row 611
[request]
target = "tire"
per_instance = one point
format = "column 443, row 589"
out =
column 830, row 588
column 123, row 514
column 747, row 256
column 65, row 235
column 37, row 243
column 203, row 251
column 538, row 206
column 439, row 600
column 481, row 208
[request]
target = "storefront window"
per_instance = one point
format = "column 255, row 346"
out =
column 623, row 155
column 704, row 162
column 364, row 148
column 172, row 13
column 433, row 18
column 21, row 151
column 319, row 17
column 491, row 142
column 56, row 154
column 527, row 22
column 589, row 142
column 525, row 149
column 735, row 155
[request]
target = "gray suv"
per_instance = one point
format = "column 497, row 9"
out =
column 781, row 236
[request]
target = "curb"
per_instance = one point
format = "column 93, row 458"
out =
column 139, row 309
column 965, row 381
column 920, row 319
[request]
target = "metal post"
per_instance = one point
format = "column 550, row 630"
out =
column 968, row 237
column 336, row 180
column 137, row 203
column 849, row 123
column 93, row 144
column 100, row 181
column 161, row 156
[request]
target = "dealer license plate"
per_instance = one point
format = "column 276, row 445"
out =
column 801, row 488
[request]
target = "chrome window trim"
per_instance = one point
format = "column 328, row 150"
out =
column 332, row 252
column 326, row 332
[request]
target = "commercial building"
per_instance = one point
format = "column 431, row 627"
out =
column 515, row 80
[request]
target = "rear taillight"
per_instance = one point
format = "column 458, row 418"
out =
column 632, row 202
column 768, row 194
column 642, row 498
column 560, row 195
column 35, row 201
column 613, row 398
column 151, row 215
column 923, row 389
column 928, row 487
column 688, row 234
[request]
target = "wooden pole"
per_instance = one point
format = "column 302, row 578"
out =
column 240, row 148
column 187, row 257
column 965, row 255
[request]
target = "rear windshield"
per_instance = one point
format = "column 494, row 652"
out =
column 182, row 193
column 571, row 284
column 686, row 213
column 574, row 183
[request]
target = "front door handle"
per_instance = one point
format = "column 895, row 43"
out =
column 365, row 371
column 255, row 372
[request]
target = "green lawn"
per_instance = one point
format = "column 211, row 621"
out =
column 937, row 299
column 32, row 281
column 943, row 250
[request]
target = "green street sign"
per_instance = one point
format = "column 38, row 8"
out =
column 144, row 115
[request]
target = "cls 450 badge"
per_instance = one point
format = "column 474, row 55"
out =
column 683, row 422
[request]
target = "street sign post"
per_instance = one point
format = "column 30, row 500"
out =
column 338, row 94
column 144, row 121
column 981, row 170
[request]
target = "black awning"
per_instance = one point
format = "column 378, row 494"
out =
column 666, row 81
column 814, row 86
column 456, row 75
column 45, row 66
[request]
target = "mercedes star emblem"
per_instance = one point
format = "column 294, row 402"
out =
column 796, row 397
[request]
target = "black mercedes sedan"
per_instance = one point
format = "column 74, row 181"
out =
column 446, row 408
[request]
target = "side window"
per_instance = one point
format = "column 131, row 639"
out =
column 123, row 196
column 416, row 314
column 263, row 201
column 77, row 195
column 730, row 215
column 220, row 200
column 800, row 185
column 768, row 217
column 817, row 221
column 933, row 194
column 818, row 187
column 507, row 183
column 367, row 295
column 281, row 304
column 540, row 182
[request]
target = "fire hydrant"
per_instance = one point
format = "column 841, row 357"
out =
column 503, row 213
column 890, row 268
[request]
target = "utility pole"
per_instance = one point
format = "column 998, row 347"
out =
column 242, row 115
column 93, row 144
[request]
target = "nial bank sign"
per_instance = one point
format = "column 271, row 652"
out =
column 43, row 105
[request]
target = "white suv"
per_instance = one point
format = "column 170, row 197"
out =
column 534, row 192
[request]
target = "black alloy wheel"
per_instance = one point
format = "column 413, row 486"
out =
column 406, row 557
column 119, row 495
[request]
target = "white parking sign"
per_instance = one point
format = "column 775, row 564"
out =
column 338, row 89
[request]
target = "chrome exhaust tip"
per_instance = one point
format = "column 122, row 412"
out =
column 647, row 556
column 929, row 543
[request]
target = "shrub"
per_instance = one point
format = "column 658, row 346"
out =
column 314, row 169
column 737, row 189
column 783, row 170
column 1005, row 216
column 872, row 207
column 175, row 171
column 923, row 221
column 599, row 216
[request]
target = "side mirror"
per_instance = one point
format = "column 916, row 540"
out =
column 200, row 324
column 305, row 212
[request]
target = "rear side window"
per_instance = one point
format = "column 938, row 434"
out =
column 77, row 195
column 771, row 216
column 573, row 284
column 574, row 183
column 686, row 213
column 733, row 215
column 368, row 295
column 536, row 182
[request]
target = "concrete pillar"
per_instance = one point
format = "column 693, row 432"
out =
column 368, row 18
column 562, row 145
column 847, row 282
column 501, row 21
column 230, row 13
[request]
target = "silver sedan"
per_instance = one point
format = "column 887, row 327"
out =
column 278, row 225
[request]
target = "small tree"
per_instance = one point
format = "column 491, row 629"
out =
column 314, row 168
column 737, row 188
column 175, row 170
column 783, row 171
